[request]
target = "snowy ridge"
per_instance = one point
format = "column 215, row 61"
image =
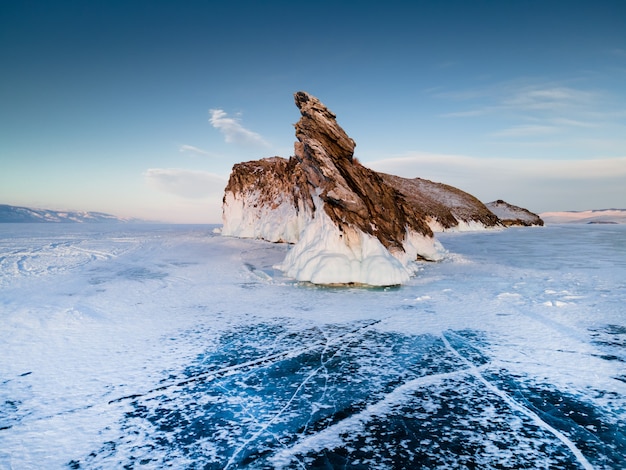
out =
column 599, row 216
column 16, row 214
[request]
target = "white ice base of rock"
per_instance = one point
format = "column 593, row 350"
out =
column 326, row 255
column 323, row 254
column 246, row 217
column 462, row 226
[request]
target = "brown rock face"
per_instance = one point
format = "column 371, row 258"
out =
column 268, row 173
column 354, row 196
column 273, row 179
column 443, row 204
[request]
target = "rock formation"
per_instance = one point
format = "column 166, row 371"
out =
column 349, row 224
column 513, row 215
column 263, row 200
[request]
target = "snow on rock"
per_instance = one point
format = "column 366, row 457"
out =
column 445, row 207
column 259, row 203
column 513, row 215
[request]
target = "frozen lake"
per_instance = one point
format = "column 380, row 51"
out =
column 141, row 346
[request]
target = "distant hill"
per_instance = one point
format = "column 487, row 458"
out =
column 602, row 216
column 16, row 214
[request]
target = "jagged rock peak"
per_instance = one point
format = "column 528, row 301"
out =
column 319, row 124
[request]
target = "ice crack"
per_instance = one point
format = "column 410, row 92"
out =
column 475, row 371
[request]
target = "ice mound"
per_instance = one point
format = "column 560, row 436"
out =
column 325, row 254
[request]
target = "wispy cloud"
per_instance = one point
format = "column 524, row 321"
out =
column 547, row 98
column 232, row 129
column 526, row 131
column 573, row 123
column 471, row 112
column 194, row 150
column 520, row 97
column 190, row 184
column 529, row 110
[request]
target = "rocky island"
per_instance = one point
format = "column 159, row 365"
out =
column 348, row 223
column 514, row 215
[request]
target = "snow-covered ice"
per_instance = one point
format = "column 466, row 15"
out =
column 141, row 346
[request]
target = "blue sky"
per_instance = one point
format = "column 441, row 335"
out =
column 140, row 108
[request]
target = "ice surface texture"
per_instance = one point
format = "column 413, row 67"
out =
column 166, row 346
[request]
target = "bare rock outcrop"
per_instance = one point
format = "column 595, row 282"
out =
column 513, row 215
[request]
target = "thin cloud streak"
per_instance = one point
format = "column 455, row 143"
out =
column 232, row 129
column 574, row 123
column 471, row 112
column 194, row 150
column 534, row 113
column 526, row 130
column 189, row 184
column 519, row 97
column 548, row 98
